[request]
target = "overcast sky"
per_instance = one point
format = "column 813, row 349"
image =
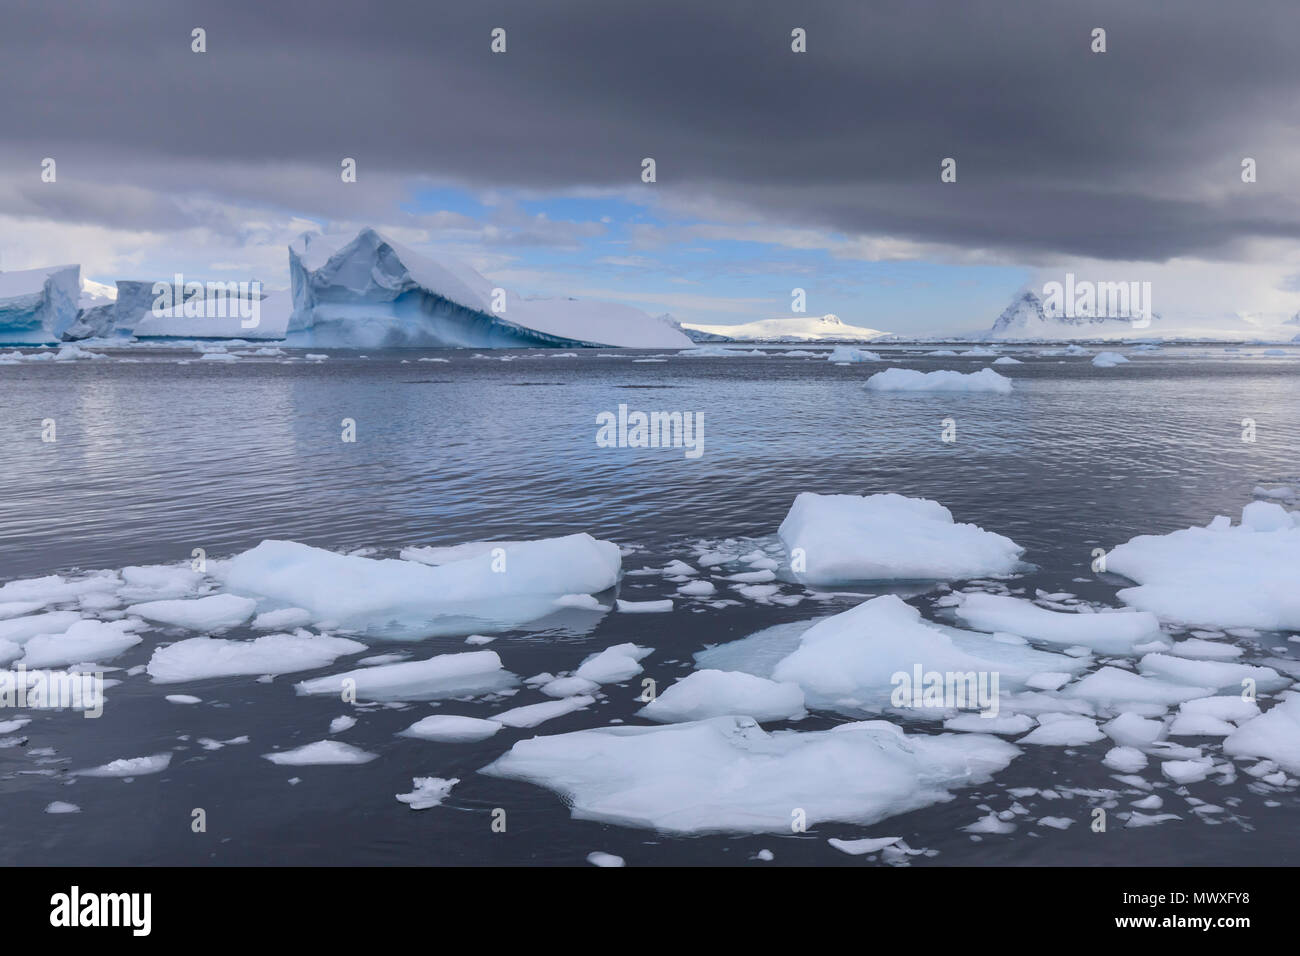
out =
column 775, row 169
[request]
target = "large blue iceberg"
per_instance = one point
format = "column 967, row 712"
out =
column 38, row 305
column 372, row 292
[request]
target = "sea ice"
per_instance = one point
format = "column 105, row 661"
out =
column 199, row 658
column 493, row 589
column 1109, row 633
column 446, row 728
column 319, row 753
column 838, row 539
column 217, row 612
column 1220, row 575
column 726, row 774
column 713, row 693
column 445, row 675
column 944, row 380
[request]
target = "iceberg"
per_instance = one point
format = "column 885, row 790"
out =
column 841, row 539
column 372, row 292
column 726, row 774
column 218, row 317
column 38, row 305
column 95, row 312
column 493, row 589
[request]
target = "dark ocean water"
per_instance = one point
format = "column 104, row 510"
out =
column 155, row 458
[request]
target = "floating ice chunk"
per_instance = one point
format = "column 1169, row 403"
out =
column 533, row 714
column 697, row 589
column 1212, row 674
column 726, row 774
column 1111, row 685
column 1108, row 359
column 569, row 687
column 19, row 630
column 1199, row 725
column 9, row 726
column 847, row 538
column 944, row 380
column 1218, row 576
column 55, row 588
column 1274, row 735
column 404, row 598
column 445, row 675
column 1125, row 759
column 9, row 651
column 428, row 792
column 1205, row 650
column 1006, row 360
column 1109, row 633
column 340, row 724
column 58, row 806
column 1133, row 730
column 855, row 656
column 217, row 612
column 1231, row 707
column 285, row 617
column 159, row 581
column 1049, row 680
column 848, row 354
column 1056, row 823
column 614, row 664
column 1149, row 819
column 860, row 847
column 319, row 753
column 84, row 642
column 645, row 607
column 446, row 728
column 990, row 823
column 183, row 699
column 1187, row 771
column 1063, row 730
column 199, row 658
column 1005, row 724
column 712, row 693
column 597, row 858
column 129, row 767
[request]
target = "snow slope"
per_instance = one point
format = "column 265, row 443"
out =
column 372, row 292
column 797, row 328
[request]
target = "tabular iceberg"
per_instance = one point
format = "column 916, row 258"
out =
column 372, row 292
column 38, row 305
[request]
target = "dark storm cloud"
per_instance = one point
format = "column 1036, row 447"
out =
column 1134, row 153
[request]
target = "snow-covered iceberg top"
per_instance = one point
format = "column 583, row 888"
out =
column 494, row 588
column 838, row 539
column 371, row 291
column 38, row 305
column 1222, row 575
column 944, row 380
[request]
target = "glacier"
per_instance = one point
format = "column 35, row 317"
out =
column 373, row 292
column 38, row 305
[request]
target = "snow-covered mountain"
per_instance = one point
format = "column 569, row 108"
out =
column 372, row 292
column 1026, row 318
column 796, row 328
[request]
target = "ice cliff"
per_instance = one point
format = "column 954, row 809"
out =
column 373, row 292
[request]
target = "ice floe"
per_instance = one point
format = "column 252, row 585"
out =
column 943, row 380
column 839, row 539
column 726, row 774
